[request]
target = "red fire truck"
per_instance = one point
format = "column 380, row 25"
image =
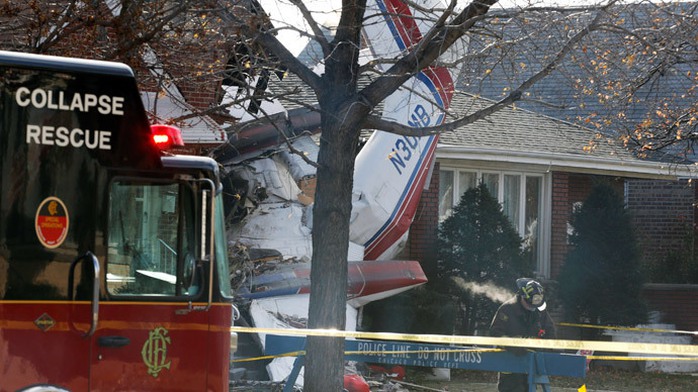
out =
column 113, row 262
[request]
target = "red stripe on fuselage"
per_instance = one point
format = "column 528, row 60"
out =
column 406, row 26
column 403, row 218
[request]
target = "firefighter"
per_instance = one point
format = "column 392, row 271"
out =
column 523, row 316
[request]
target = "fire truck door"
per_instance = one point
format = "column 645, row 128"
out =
column 153, row 329
column 149, row 346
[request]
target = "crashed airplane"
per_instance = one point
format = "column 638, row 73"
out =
column 272, row 185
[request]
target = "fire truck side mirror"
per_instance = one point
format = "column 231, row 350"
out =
column 193, row 276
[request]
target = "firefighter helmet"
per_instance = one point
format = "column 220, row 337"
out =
column 531, row 292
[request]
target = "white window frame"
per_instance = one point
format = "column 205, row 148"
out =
column 543, row 252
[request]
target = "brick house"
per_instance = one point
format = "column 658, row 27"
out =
column 558, row 178
column 663, row 209
column 535, row 158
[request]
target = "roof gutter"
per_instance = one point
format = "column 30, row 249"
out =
column 573, row 163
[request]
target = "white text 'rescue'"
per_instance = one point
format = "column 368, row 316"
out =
column 63, row 137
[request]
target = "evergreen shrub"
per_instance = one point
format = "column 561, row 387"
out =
column 601, row 280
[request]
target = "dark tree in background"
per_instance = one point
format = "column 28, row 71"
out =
column 601, row 279
column 479, row 254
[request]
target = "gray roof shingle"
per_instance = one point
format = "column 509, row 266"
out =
column 514, row 131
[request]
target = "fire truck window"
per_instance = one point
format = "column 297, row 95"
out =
column 146, row 232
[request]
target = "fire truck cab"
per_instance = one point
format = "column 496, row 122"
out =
column 113, row 260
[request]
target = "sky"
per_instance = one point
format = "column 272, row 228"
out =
column 282, row 12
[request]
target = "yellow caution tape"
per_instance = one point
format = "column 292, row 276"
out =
column 620, row 358
column 638, row 329
column 551, row 344
column 377, row 353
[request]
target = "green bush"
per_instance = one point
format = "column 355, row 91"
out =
column 601, row 279
column 479, row 252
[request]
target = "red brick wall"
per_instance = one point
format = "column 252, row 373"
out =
column 675, row 303
column 663, row 213
column 560, row 215
column 202, row 94
column 423, row 232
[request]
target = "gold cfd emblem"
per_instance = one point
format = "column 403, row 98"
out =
column 154, row 351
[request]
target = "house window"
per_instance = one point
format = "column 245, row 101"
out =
column 511, row 199
column 521, row 196
column 445, row 194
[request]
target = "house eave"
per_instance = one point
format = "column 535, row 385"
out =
column 588, row 164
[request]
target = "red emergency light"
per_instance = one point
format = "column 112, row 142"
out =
column 166, row 136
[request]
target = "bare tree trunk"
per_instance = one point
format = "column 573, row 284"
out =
column 331, row 213
column 341, row 119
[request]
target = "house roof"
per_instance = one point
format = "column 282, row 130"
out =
column 196, row 129
column 574, row 91
column 514, row 136
column 518, row 136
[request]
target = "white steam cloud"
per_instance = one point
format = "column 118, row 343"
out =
column 488, row 289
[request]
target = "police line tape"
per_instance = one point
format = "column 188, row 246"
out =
column 637, row 329
column 549, row 344
column 480, row 350
column 375, row 352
